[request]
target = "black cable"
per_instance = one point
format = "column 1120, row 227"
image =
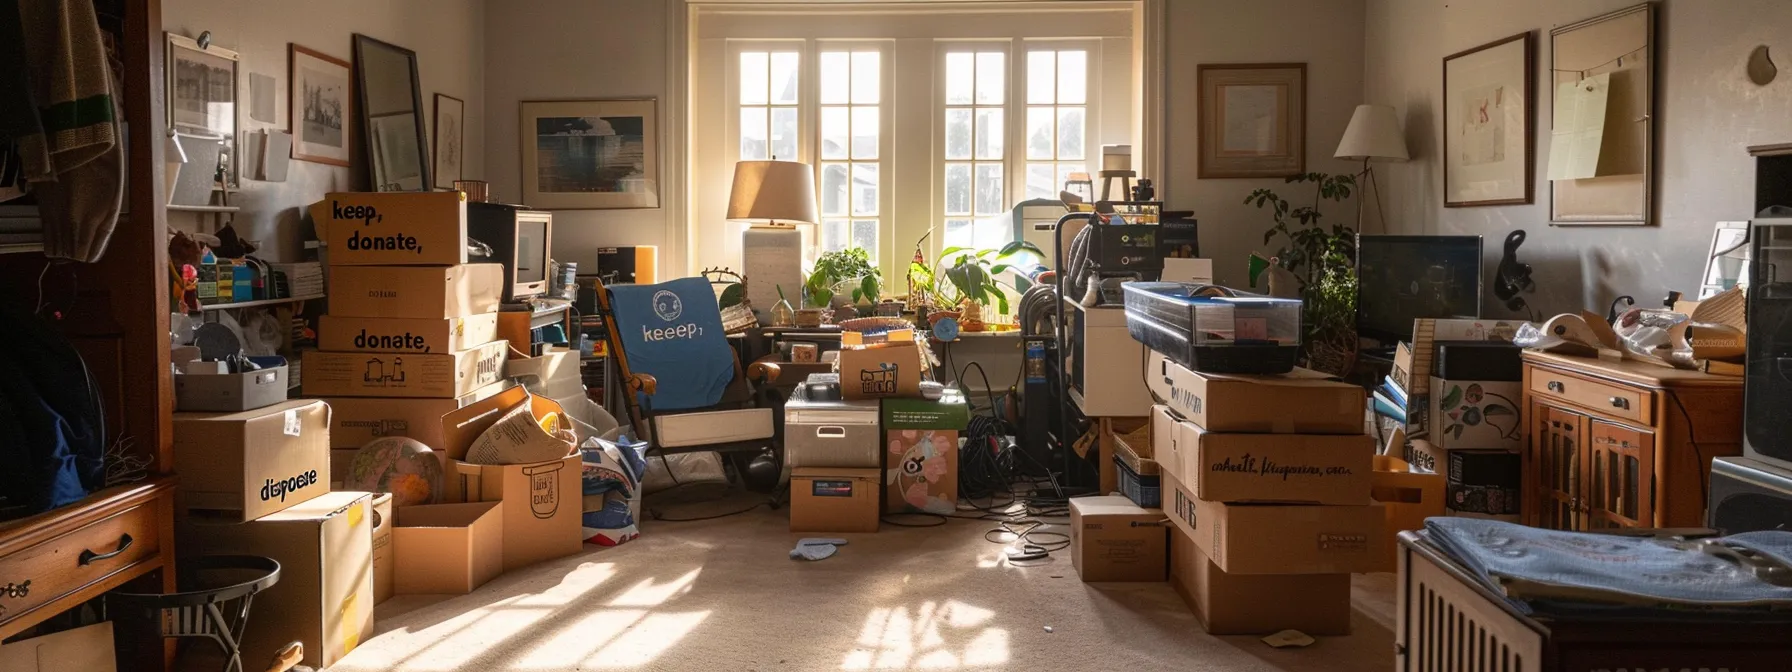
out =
column 657, row 518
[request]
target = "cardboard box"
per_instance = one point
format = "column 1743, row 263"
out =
column 521, row 435
column 437, row 376
column 543, row 505
column 354, row 421
column 226, row 392
column 423, row 292
column 1475, row 414
column 1426, row 333
column 382, row 546
column 446, row 549
column 874, row 371
column 419, row 228
column 1113, row 539
column 1299, row 402
column 921, row 462
column 87, row 649
column 1484, row 483
column 1257, row 604
column 249, row 464
column 1327, row 469
column 324, row 598
column 1407, row 498
column 1166, row 428
column 1279, row 538
column 338, row 333
column 833, row 500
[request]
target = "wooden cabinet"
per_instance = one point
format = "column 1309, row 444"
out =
column 1613, row 444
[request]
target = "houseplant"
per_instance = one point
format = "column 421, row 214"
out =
column 836, row 274
column 967, row 280
column 1322, row 258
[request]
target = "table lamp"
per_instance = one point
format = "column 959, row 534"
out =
column 1374, row 133
column 774, row 196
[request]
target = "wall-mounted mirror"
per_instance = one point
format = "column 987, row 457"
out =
column 391, row 115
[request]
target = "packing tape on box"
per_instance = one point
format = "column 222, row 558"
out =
column 351, row 626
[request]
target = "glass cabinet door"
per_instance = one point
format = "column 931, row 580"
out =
column 1621, row 469
column 1555, row 468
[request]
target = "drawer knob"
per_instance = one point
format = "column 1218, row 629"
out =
column 1556, row 386
column 89, row 557
column 1620, row 402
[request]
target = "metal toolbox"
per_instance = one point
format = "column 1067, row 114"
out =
column 821, row 430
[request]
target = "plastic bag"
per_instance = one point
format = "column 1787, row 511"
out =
column 667, row 471
column 1656, row 334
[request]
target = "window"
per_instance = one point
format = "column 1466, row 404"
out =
column 975, row 149
column 768, row 105
column 850, row 89
column 1057, row 109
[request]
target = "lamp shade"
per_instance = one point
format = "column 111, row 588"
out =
column 1374, row 133
column 766, row 191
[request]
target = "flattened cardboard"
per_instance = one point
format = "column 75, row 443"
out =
column 464, row 430
column 1279, row 538
column 1299, row 402
column 543, row 506
column 446, row 549
column 434, row 376
column 324, row 598
column 339, row 333
column 1246, row 604
column 87, row 649
column 421, row 228
column 1113, row 539
column 354, row 421
column 889, row 369
column 1329, row 469
column 423, row 292
column 832, row 500
column 382, row 546
column 249, row 464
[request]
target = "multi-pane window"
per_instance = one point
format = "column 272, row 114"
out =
column 1057, row 109
column 975, row 148
column 768, row 105
column 850, row 88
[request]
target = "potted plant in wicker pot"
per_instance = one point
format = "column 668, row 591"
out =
column 1322, row 259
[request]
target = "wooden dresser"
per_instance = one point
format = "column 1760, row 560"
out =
column 1612, row 444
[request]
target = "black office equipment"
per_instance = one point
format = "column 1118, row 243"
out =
column 1404, row 278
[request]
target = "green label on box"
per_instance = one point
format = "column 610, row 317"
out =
column 949, row 412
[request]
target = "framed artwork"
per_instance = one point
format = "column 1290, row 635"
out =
column 1602, row 120
column 395, row 151
column 1253, row 119
column 202, row 93
column 450, row 134
column 1488, row 127
column 318, row 106
column 590, row 154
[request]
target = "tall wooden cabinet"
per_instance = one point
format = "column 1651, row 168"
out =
column 1612, row 444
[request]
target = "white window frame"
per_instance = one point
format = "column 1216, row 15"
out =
column 939, row 217
column 886, row 225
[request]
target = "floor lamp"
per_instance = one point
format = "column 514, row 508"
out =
column 1374, row 133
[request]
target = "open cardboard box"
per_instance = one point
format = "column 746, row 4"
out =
column 1408, row 498
column 447, row 549
column 542, row 493
column 892, row 368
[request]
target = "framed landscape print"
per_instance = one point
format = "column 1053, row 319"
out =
column 318, row 106
column 450, row 113
column 1253, row 119
column 1489, row 124
column 590, row 154
column 202, row 94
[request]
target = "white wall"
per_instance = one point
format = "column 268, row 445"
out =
column 1327, row 35
column 575, row 49
column 450, row 45
column 1707, row 113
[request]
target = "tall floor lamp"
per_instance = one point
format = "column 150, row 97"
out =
column 1373, row 134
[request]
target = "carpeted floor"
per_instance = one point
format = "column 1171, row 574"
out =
column 723, row 595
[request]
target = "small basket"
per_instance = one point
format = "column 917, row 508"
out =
column 1140, row 479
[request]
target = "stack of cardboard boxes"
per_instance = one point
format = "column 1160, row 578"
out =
column 1267, row 481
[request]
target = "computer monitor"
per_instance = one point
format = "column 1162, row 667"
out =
column 1404, row 278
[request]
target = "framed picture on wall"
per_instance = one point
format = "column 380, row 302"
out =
column 202, row 94
column 1253, row 119
column 590, row 154
column 450, row 134
column 318, row 106
column 1489, row 114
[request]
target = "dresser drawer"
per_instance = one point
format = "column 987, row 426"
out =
column 1606, row 399
column 62, row 565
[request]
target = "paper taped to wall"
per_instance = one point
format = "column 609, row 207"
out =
column 1579, row 132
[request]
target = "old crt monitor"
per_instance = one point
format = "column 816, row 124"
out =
column 1404, row 278
column 521, row 239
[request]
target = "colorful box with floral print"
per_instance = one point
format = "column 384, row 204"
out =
column 921, row 452
column 1476, row 414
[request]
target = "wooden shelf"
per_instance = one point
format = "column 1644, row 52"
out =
column 260, row 302
column 204, row 208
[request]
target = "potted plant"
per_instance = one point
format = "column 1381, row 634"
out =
column 970, row 282
column 837, row 275
column 1322, row 258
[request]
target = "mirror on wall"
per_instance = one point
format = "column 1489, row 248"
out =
column 391, row 104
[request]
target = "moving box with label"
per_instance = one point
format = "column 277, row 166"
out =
column 544, row 501
column 1299, row 402
column 438, row 376
column 1257, row 604
column 832, row 500
column 921, row 459
column 405, row 335
column 354, row 421
column 1331, row 469
column 249, row 464
column 1113, row 539
column 892, row 368
column 446, row 549
column 1279, row 538
column 324, row 598
column 422, row 292
column 393, row 228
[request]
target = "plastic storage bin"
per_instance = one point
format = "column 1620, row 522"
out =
column 1214, row 334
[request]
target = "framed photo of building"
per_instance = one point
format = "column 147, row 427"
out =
column 590, row 154
column 1253, row 119
column 202, row 88
column 1489, row 124
column 318, row 106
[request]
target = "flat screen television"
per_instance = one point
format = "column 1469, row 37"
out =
column 521, row 239
column 1404, row 278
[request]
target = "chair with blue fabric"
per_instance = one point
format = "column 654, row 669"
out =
column 683, row 384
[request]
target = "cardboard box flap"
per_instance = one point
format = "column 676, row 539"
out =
column 1111, row 505
column 519, row 437
column 323, row 507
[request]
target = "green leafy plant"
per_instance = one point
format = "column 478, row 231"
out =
column 1323, row 257
column 853, row 263
column 971, row 274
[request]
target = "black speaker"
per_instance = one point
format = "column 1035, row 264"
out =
column 1767, row 381
column 1748, row 495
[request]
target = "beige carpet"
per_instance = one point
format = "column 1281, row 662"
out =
column 723, row 595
